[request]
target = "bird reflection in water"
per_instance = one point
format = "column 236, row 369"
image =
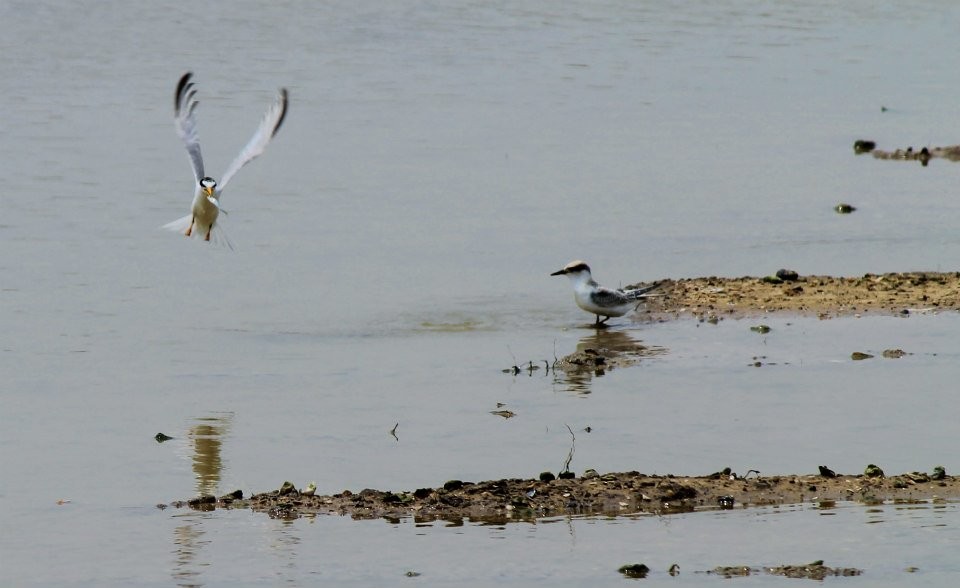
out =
column 596, row 353
column 206, row 440
column 205, row 436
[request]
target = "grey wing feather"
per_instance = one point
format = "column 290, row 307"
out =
column 261, row 138
column 604, row 297
column 184, row 106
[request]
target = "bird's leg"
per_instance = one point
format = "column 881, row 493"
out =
column 190, row 228
column 210, row 228
column 602, row 322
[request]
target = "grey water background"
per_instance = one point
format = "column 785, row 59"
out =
column 439, row 160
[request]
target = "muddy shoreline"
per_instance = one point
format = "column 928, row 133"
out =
column 715, row 298
column 611, row 494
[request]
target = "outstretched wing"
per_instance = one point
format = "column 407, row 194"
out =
column 184, row 105
column 268, row 128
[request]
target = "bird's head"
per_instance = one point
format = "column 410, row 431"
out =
column 574, row 269
column 208, row 185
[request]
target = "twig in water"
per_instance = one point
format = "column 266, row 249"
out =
column 573, row 446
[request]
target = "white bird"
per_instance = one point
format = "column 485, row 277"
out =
column 202, row 220
column 592, row 297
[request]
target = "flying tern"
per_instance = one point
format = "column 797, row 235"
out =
column 205, row 210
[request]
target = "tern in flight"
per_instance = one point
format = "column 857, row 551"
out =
column 205, row 210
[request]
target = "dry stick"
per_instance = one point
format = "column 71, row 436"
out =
column 573, row 445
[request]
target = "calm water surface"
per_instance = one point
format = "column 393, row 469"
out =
column 394, row 247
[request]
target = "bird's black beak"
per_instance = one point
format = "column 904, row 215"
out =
column 559, row 273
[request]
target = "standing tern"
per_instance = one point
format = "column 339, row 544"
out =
column 202, row 220
column 592, row 297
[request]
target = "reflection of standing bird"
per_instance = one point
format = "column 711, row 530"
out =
column 592, row 297
column 202, row 220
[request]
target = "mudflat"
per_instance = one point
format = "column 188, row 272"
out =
column 823, row 296
column 611, row 494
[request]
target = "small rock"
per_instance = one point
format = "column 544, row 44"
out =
column 772, row 280
column 725, row 502
column 939, row 473
column 674, row 570
column 861, row 146
column 762, row 329
column 452, row 485
column 287, row 488
column 160, row 437
column 201, row 500
column 844, row 208
column 827, row 472
column 894, row 353
column 732, row 571
column 547, row 477
column 873, row 471
column 858, row 355
column 788, row 275
column 590, row 474
column 567, row 475
column 634, row 570
column 235, row 495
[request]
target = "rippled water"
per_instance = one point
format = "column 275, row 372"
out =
column 394, row 246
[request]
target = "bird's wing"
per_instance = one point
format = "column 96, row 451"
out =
column 607, row 298
column 184, row 106
column 268, row 128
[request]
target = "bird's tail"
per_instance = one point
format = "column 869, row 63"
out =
column 217, row 235
column 180, row 225
column 643, row 292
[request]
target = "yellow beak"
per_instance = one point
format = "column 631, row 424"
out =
column 208, row 190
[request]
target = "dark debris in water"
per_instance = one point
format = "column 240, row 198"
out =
column 844, row 208
column 637, row 570
column 811, row 571
column 923, row 155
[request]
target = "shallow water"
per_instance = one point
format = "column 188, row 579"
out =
column 394, row 246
